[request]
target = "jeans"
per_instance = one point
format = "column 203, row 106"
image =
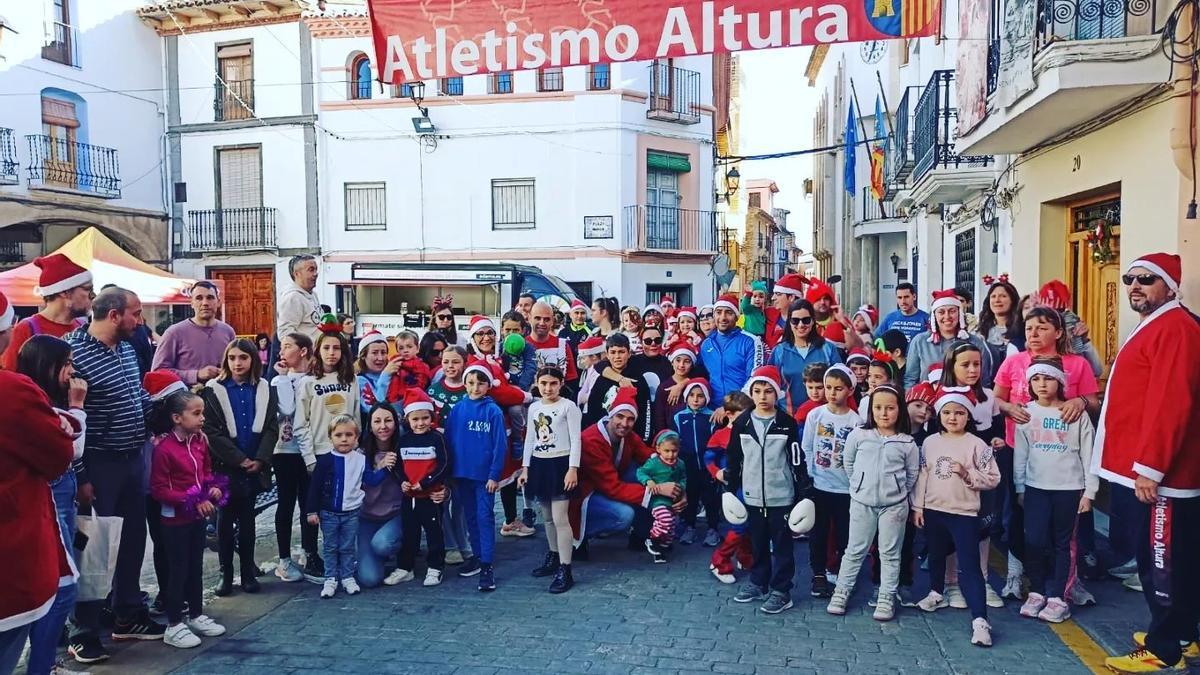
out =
column 378, row 541
column 774, row 549
column 702, row 490
column 865, row 522
column 1172, row 591
column 1049, row 528
column 184, row 548
column 340, row 529
column 1011, row 514
column 608, row 516
column 422, row 514
column 479, row 506
column 454, row 526
column 291, row 481
column 46, row 631
column 120, row 487
column 962, row 532
column 12, row 643
column 833, row 519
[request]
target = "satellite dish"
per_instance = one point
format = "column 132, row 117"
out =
column 720, row 265
column 724, row 279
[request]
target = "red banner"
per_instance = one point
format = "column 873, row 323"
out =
column 428, row 39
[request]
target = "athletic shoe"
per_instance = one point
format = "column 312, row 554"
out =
column 1012, row 587
column 955, row 597
column 87, row 650
column 1133, row 583
column 1089, row 567
column 712, row 538
column 688, row 536
column 470, row 568
column 837, row 603
column 203, row 625
column 1142, row 661
column 141, row 628
column 60, row 668
column 454, row 557
column 750, row 593
column 487, row 578
column 885, row 609
column 1055, row 611
column 288, row 570
column 1034, row 604
column 351, row 586
column 981, row 633
column 873, row 599
column 158, row 607
column 1191, row 650
column 314, row 569
column 992, row 599
column 905, row 597
column 398, row 576
column 329, row 588
column 831, row 577
column 776, row 602
column 933, row 602
column 1124, row 570
column 656, row 553
column 820, row 587
column 1080, row 596
column 432, row 577
column 516, row 529
column 723, row 578
column 180, row 636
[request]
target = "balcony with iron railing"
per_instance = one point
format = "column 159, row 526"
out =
column 934, row 127
column 674, row 94
column 62, row 44
column 234, row 100
column 875, row 209
column 231, row 229
column 900, row 159
column 57, row 163
column 670, row 229
column 8, row 157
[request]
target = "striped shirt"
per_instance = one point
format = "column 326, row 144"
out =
column 116, row 403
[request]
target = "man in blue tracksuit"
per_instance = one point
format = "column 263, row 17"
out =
column 728, row 354
column 694, row 425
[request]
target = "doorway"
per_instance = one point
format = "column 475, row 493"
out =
column 249, row 299
column 1094, row 270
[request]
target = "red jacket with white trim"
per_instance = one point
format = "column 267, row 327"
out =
column 600, row 470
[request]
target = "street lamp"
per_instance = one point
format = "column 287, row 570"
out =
column 416, row 93
column 733, row 178
column 895, row 263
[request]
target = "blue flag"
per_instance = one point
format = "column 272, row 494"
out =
column 851, row 148
column 880, row 125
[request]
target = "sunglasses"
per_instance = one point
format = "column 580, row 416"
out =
column 801, row 320
column 487, row 332
column 1142, row 279
column 444, row 317
column 652, row 341
column 706, row 316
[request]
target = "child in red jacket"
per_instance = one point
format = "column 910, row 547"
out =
column 737, row 542
column 422, row 470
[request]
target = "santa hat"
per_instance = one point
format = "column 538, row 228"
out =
column 653, row 307
column 934, row 375
column 666, row 300
column 369, row 339
column 478, row 323
column 625, row 400
column 1049, row 368
column 672, row 320
column 791, row 284
column 835, row 333
column 843, row 368
column 1166, row 265
column 960, row 395
column 577, row 304
column 818, row 289
column 682, row 348
column 704, row 308
column 486, row 368
column 697, row 383
column 946, row 298
column 923, row 391
column 858, row 354
column 686, row 311
column 1055, row 294
column 593, row 346
column 728, row 301
column 161, row 384
column 768, row 374
column 7, row 314
column 59, row 273
column 329, row 324
column 416, row 400
column 870, row 315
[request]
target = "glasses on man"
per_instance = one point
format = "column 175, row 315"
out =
column 801, row 320
column 1142, row 279
column 652, row 341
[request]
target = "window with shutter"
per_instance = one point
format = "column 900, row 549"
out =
column 240, row 178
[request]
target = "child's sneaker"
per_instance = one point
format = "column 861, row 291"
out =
column 288, row 570
column 933, row 602
column 203, row 625
column 1080, row 596
column 820, row 586
column 885, row 608
column 750, row 593
column 516, row 529
column 991, row 598
column 837, row 603
column 314, row 568
column 905, row 597
column 487, row 578
column 981, row 633
column 398, row 576
column 329, row 588
column 470, row 568
column 723, row 578
column 181, row 636
column 1012, row 588
column 656, row 553
column 1033, row 604
column 776, row 602
column 454, row 557
column 432, row 577
column 688, row 536
column 955, row 597
column 712, row 538
column 1055, row 611
column 351, row 586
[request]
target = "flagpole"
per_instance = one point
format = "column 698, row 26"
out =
column 886, row 108
column 863, row 128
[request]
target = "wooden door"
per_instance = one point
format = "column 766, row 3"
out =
column 1094, row 270
column 249, row 299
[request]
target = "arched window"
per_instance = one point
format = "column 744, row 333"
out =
column 360, row 77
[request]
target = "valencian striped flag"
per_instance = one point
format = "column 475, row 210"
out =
column 902, row 18
column 878, row 151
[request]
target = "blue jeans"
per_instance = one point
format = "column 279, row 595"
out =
column 46, row 631
column 341, row 538
column 479, row 506
column 454, row 526
column 12, row 642
column 378, row 540
column 608, row 516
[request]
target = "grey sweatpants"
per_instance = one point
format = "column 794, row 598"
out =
column 865, row 523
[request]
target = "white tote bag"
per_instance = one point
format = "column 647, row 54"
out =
column 98, row 559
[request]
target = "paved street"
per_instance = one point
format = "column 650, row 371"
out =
column 624, row 616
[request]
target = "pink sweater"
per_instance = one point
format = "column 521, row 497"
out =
column 940, row 489
column 180, row 477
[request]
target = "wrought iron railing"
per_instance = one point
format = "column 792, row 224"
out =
column 900, row 151
column 995, row 30
column 8, row 157
column 665, row 228
column 231, row 229
column 934, row 122
column 1093, row 20
column 234, row 100
column 56, row 162
column 62, row 44
column 674, row 94
column 875, row 209
column 11, row 252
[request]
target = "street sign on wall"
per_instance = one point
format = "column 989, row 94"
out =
column 428, row 39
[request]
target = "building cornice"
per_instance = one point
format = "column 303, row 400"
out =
column 199, row 16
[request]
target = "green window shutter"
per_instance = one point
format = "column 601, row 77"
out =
column 667, row 162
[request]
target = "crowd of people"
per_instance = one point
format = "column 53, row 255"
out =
column 744, row 426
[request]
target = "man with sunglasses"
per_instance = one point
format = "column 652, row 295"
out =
column 1148, row 442
column 787, row 290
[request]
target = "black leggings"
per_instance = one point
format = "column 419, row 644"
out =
column 508, row 499
column 291, row 482
column 183, row 548
column 154, row 528
column 239, row 510
column 701, row 491
column 833, row 521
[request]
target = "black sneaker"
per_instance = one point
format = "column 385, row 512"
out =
column 142, row 627
column 314, row 569
column 548, row 567
column 487, row 578
column 750, row 593
column 820, row 587
column 776, row 602
column 528, row 517
column 158, row 607
column 470, row 568
column 656, row 553
column 87, row 649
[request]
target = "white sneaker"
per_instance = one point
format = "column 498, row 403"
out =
column 1012, row 588
column 723, row 578
column 955, row 597
column 432, row 577
column 992, row 599
column 398, row 576
column 932, row 602
column 329, row 588
column 981, row 633
column 180, row 636
column 351, row 586
column 203, row 625
column 288, row 570
column 1080, row 596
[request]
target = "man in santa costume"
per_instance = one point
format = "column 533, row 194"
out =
column 66, row 288
column 31, row 548
column 828, row 314
column 609, row 498
column 1148, row 441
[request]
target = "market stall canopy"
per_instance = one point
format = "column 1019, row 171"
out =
column 110, row 264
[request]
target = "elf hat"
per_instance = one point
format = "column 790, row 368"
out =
column 686, row 311
column 330, row 325
column 923, row 391
column 478, row 323
column 161, row 384
column 791, row 284
column 843, row 368
column 727, row 301
column 682, row 348
column 416, row 400
column 768, row 374
column 697, row 383
column 818, row 289
column 1055, row 294
column 625, row 400
column 835, row 333
column 870, row 315
column 483, row 367
column 577, row 304
column 960, row 395
column 593, row 346
column 59, row 273
column 7, row 314
column 858, row 354
column 369, row 339
column 946, row 298
column 1166, row 265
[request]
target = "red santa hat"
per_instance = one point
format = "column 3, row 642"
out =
column 369, row 339
column 858, row 354
column 818, row 289
column 577, row 304
column 59, row 273
column 835, row 334
column 486, row 368
column 697, row 383
column 963, row 396
column 934, row 375
column 843, row 368
column 653, row 307
column 686, row 311
column 593, row 346
column 791, row 284
column 703, row 309
column 161, row 384
column 667, row 300
column 478, row 323
column 7, row 314
column 682, row 348
column 727, row 301
column 768, row 374
column 870, row 315
column 1166, row 265
column 625, row 400
column 416, row 400
column 922, row 391
column 946, row 298
column 672, row 320
column 1055, row 294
